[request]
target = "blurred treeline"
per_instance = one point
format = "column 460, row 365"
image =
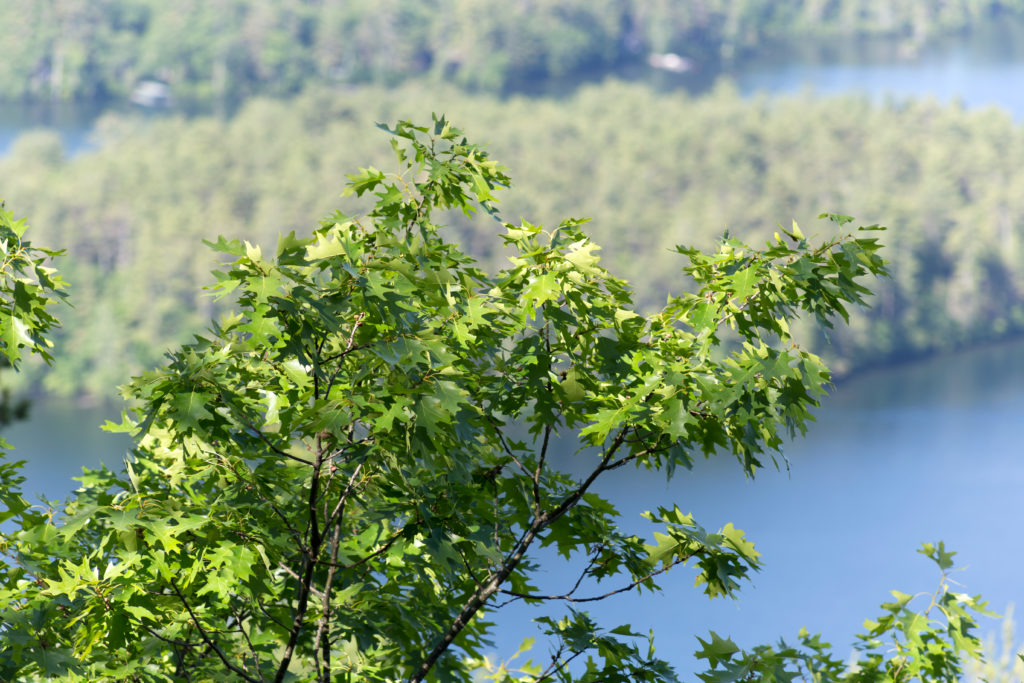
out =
column 652, row 169
column 223, row 50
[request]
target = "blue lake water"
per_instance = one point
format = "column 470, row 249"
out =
column 980, row 68
column 918, row 453
column 74, row 122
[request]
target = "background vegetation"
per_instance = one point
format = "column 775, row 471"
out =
column 657, row 169
column 1004, row 660
column 225, row 49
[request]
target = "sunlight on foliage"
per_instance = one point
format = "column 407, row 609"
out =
column 348, row 477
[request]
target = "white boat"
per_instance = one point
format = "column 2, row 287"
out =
column 670, row 61
column 151, row 94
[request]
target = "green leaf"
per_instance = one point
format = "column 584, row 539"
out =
column 717, row 650
column 326, row 246
column 15, row 333
column 541, row 289
column 365, row 181
column 704, row 316
column 743, row 282
column 938, row 554
column 581, row 254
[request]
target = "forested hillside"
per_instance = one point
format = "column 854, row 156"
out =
column 653, row 170
column 226, row 49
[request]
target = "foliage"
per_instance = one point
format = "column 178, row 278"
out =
column 1004, row 663
column 226, row 49
column 657, row 169
column 28, row 288
column 902, row 644
column 348, row 477
column 933, row 644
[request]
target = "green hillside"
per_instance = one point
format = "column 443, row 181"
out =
column 655, row 170
column 228, row 49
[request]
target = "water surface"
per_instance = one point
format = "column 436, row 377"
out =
column 919, row 453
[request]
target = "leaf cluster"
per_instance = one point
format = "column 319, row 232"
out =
column 28, row 290
column 350, row 475
column 905, row 643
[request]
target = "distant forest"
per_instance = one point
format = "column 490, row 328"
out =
column 229, row 49
column 653, row 170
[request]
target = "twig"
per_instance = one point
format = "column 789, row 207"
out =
column 567, row 597
column 493, row 583
column 309, row 563
column 206, row 638
column 252, row 648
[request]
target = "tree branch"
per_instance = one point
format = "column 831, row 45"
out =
column 366, row 558
column 567, row 597
column 557, row 663
column 336, row 517
column 494, row 581
column 252, row 648
column 309, row 562
column 206, row 638
column 273, row 507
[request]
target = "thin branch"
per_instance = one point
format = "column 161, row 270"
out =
column 337, row 517
column 167, row 639
column 270, row 444
column 349, row 348
column 601, row 468
column 270, row 616
column 477, row 600
column 325, row 609
column 347, row 351
column 206, row 638
column 508, row 450
column 567, row 597
column 263, row 437
column 376, row 553
column 540, row 467
column 252, row 648
column 494, row 582
column 350, row 345
column 339, row 508
column 579, row 581
column 179, row 654
column 626, row 459
column 469, row 568
column 273, row 507
column 557, row 664
column 309, row 562
column 291, row 572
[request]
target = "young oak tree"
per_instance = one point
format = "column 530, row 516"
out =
column 346, row 478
